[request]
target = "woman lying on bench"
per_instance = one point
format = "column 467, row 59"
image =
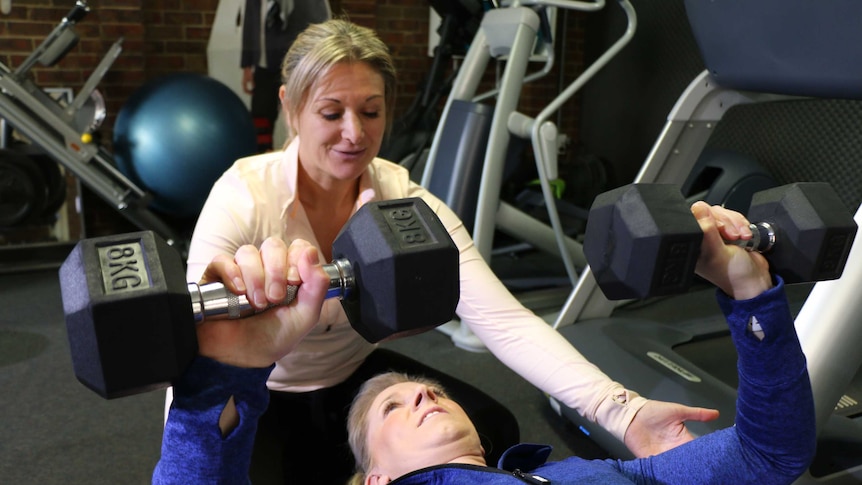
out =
column 405, row 430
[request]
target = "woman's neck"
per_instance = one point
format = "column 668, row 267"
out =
column 327, row 195
column 327, row 207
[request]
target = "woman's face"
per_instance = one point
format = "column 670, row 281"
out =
column 412, row 426
column 342, row 123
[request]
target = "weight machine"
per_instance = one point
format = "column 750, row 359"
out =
column 468, row 156
column 65, row 133
column 751, row 57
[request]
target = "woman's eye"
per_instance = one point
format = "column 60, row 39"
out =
column 331, row 116
column 371, row 114
column 389, row 407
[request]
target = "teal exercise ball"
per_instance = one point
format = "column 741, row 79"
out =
column 177, row 134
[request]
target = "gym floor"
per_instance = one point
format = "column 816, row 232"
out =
column 59, row 432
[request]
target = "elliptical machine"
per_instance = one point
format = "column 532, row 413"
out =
column 411, row 134
column 468, row 155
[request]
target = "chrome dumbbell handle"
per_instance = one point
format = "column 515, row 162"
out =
column 762, row 238
column 212, row 301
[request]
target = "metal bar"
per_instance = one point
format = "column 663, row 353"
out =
column 96, row 76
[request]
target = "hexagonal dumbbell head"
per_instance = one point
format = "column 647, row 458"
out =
column 641, row 240
column 128, row 313
column 814, row 230
column 391, row 245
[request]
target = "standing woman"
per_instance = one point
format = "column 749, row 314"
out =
column 338, row 93
column 269, row 27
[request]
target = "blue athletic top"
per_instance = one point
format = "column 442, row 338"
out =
column 772, row 442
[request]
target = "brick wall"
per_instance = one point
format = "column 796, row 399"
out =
column 159, row 36
column 163, row 36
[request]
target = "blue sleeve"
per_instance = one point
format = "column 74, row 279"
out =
column 773, row 440
column 193, row 448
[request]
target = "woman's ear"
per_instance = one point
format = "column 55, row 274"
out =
column 281, row 93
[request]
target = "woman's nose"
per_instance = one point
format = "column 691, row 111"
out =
column 352, row 129
column 423, row 394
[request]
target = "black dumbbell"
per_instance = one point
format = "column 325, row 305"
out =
column 642, row 240
column 130, row 312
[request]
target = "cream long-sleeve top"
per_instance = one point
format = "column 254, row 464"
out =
column 256, row 199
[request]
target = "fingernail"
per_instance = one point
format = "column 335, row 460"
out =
column 260, row 299
column 292, row 274
column 239, row 284
column 276, row 292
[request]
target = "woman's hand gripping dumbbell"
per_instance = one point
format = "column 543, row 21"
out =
column 130, row 313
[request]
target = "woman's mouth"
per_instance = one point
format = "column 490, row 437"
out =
column 352, row 153
column 432, row 412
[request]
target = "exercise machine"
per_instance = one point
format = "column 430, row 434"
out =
column 751, row 58
column 469, row 153
column 411, row 133
column 66, row 133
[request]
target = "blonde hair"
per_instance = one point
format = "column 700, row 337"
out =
column 357, row 419
column 323, row 45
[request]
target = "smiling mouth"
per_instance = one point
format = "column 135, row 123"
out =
column 351, row 152
column 425, row 418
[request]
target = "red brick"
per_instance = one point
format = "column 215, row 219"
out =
column 30, row 29
column 13, row 44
